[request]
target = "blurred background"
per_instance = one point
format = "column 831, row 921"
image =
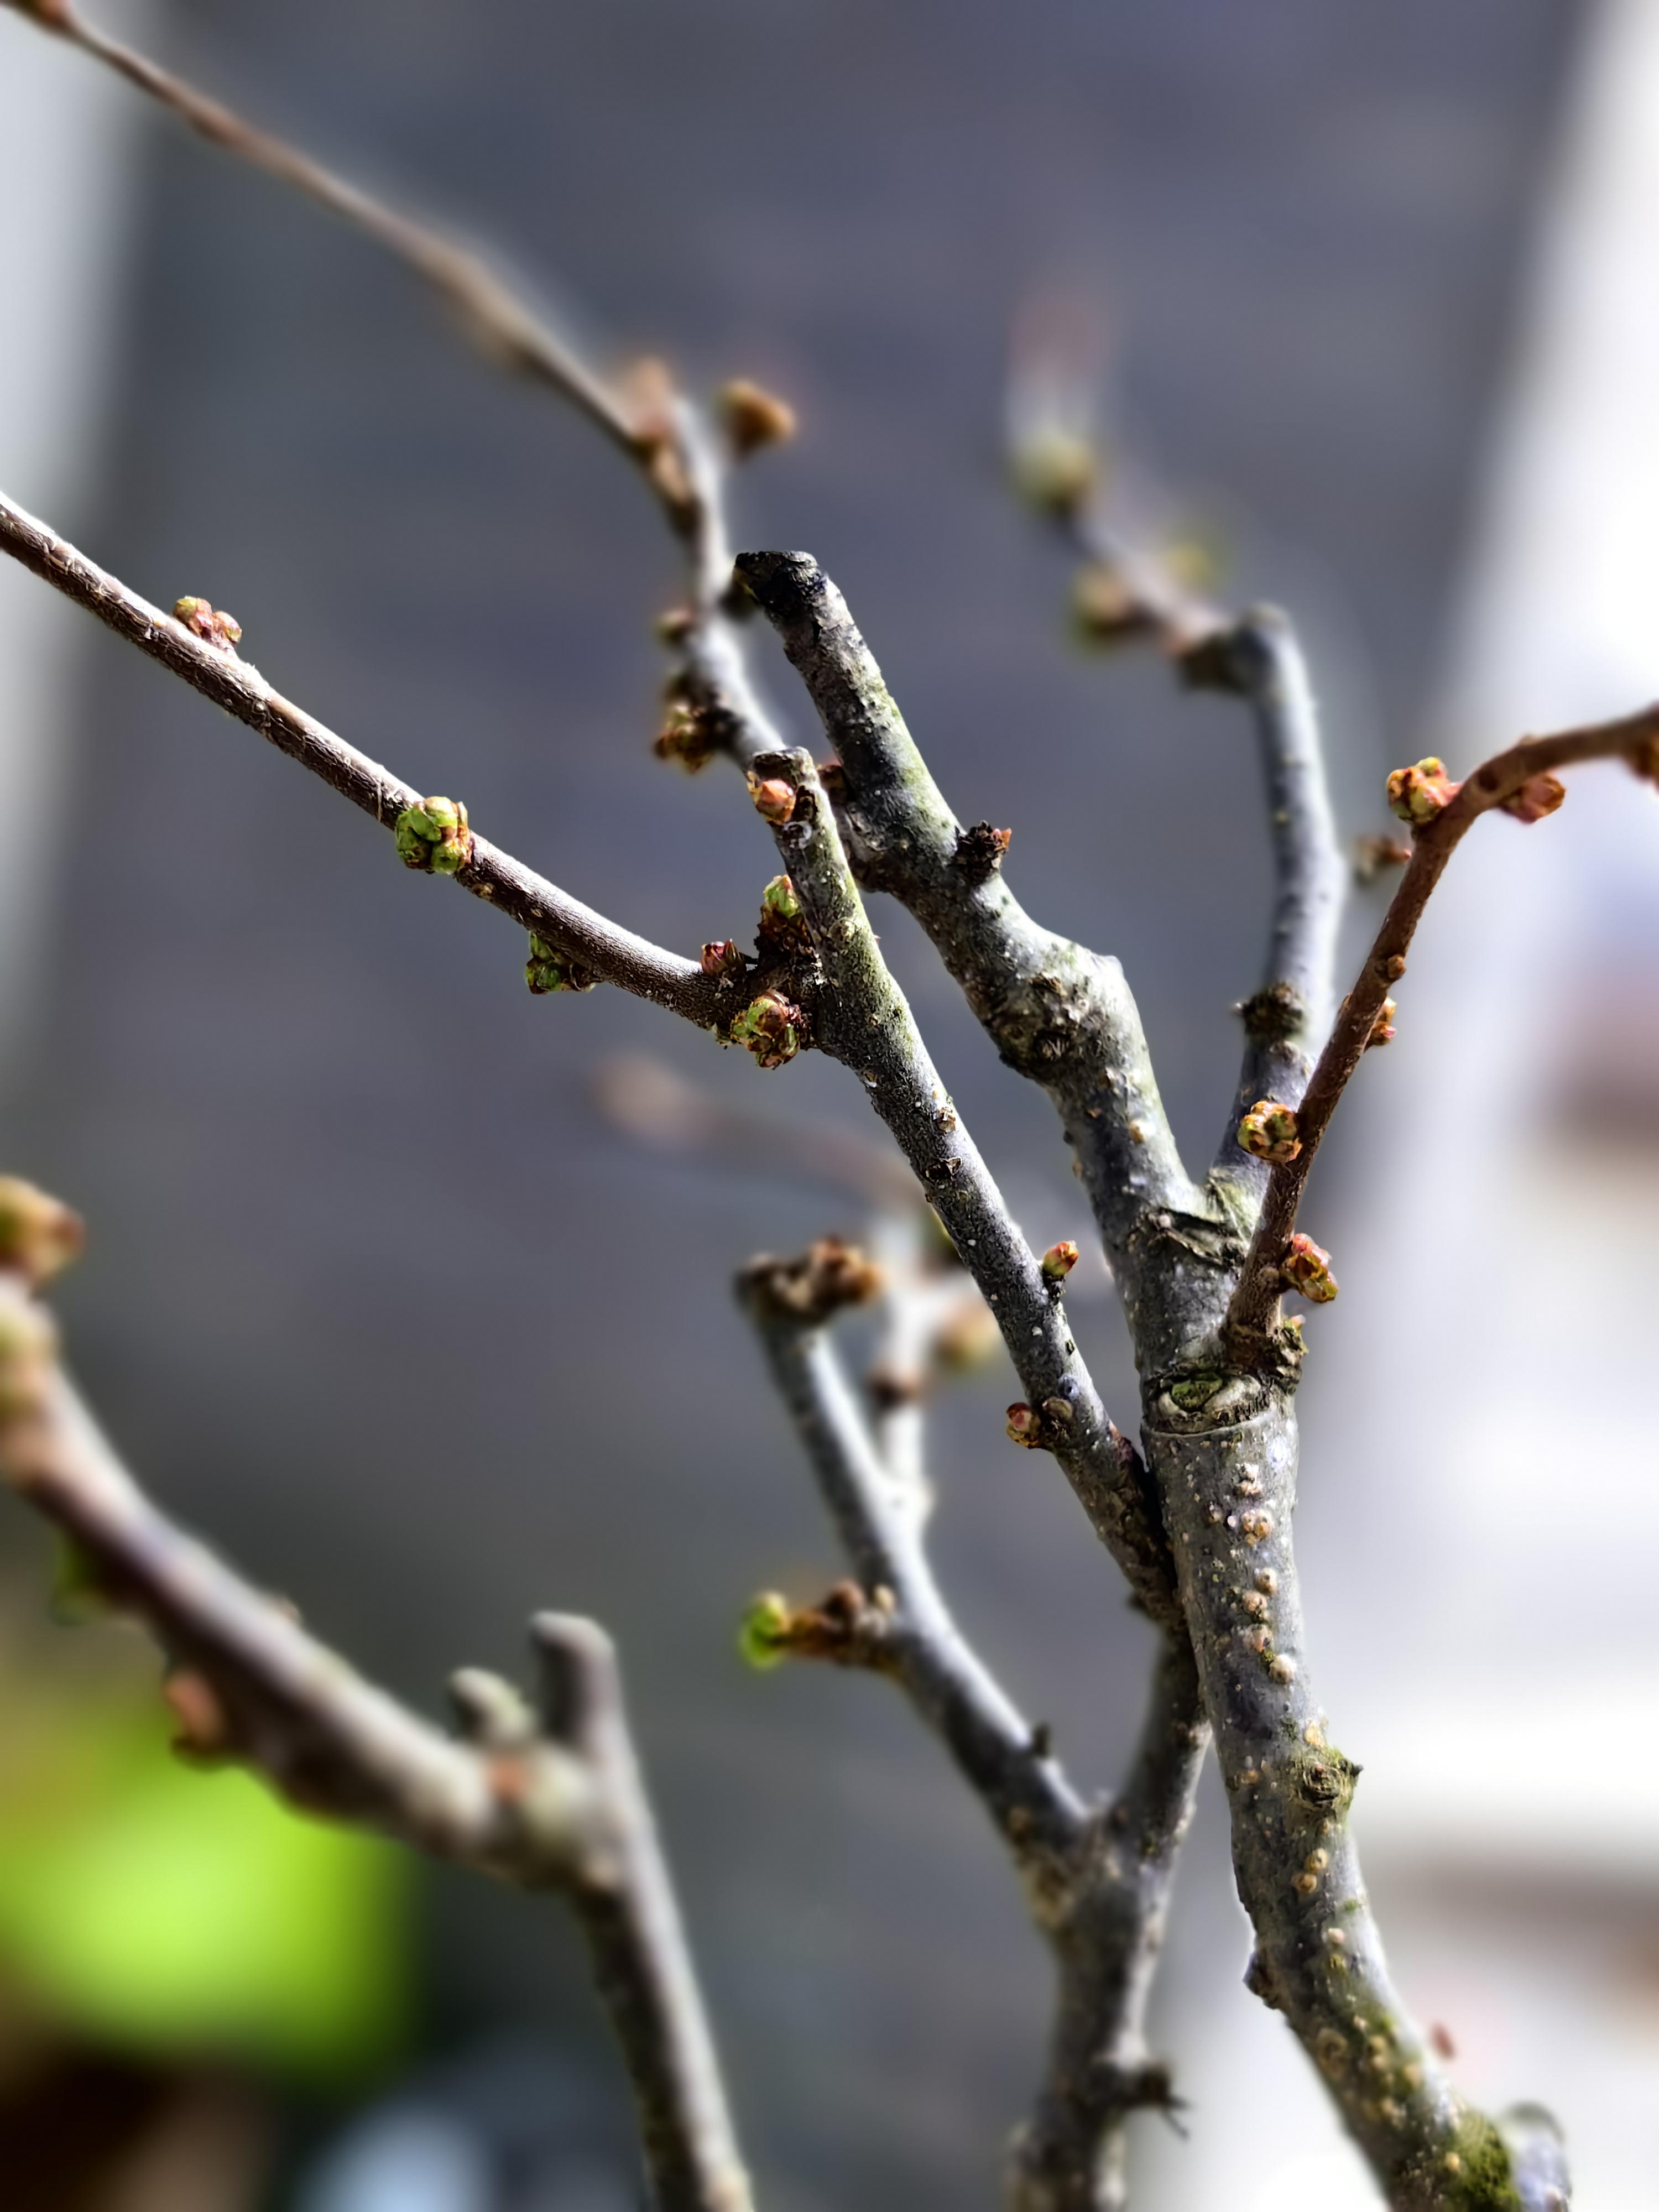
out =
column 379, row 1298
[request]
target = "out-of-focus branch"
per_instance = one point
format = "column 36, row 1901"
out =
column 1071, row 2156
column 596, row 949
column 1520, row 781
column 642, row 417
column 1059, row 1014
column 863, row 1020
column 1097, row 1881
column 546, row 1797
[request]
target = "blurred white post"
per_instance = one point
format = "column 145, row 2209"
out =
column 1480, row 1516
column 1485, row 1553
column 69, row 134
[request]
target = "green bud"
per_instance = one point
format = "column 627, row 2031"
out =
column 770, row 1028
column 550, row 969
column 1269, row 1131
column 1059, row 1260
column 763, row 1635
column 433, row 835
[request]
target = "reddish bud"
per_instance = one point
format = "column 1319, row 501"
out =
column 1307, row 1268
column 1382, row 1027
column 1026, row 1426
column 211, row 624
column 1418, row 794
column 1059, row 1260
column 1538, row 796
column 1269, row 1132
column 774, row 800
column 754, row 418
column 722, row 958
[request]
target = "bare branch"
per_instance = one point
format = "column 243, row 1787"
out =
column 1290, row 1015
column 548, row 1800
column 650, row 424
column 1071, row 2156
column 863, row 1020
column 878, row 1518
column 1097, row 1882
column 1502, row 783
column 1057, row 1013
column 597, row 948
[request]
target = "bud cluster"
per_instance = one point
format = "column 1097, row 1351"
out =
column 1418, row 794
column 433, row 835
column 550, row 969
column 770, row 1028
column 211, row 624
column 829, row 1277
column 1306, row 1267
column 1269, row 1131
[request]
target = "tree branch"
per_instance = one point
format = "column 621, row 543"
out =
column 863, row 1020
column 903, row 1627
column 1097, row 1882
column 588, row 940
column 651, row 426
column 1501, row 782
column 1290, row 1015
column 1072, row 2157
column 1059, row 1014
column 547, row 1800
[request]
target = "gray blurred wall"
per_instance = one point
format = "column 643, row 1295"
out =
column 373, row 1298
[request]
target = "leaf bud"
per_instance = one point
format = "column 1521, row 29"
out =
column 433, row 835
column 754, row 418
column 1382, row 1027
column 687, row 735
column 1056, row 471
column 763, row 1633
column 1538, row 796
column 722, row 957
column 550, row 969
column 211, row 624
column 774, row 800
column 1269, row 1131
column 1106, row 609
column 1417, row 795
column 782, row 922
column 1059, row 1260
column 980, row 850
column 1026, row 1426
column 1306, row 1267
column 770, row 1028
column 38, row 1234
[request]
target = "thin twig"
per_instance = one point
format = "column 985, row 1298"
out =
column 547, row 1799
column 1289, row 1016
column 1098, row 1883
column 1633, row 738
column 654, row 427
column 878, row 1518
column 609, row 953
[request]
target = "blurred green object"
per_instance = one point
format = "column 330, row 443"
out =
column 173, row 1911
